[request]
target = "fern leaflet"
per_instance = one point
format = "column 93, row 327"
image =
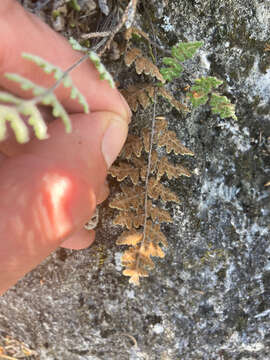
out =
column 58, row 75
column 221, row 105
column 95, row 59
column 180, row 53
column 202, row 88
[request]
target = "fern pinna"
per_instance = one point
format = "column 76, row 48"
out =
column 14, row 108
column 138, row 211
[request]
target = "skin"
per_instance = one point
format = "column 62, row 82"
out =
column 50, row 188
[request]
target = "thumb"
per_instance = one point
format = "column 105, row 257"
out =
column 49, row 191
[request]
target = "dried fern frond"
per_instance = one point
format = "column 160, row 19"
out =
column 136, row 95
column 133, row 146
column 124, row 170
column 170, row 141
column 130, row 219
column 142, row 64
column 156, row 190
column 143, row 94
column 135, row 218
column 137, row 259
column 172, row 171
column 131, row 197
column 175, row 103
column 141, row 218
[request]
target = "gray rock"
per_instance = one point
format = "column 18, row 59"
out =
column 209, row 297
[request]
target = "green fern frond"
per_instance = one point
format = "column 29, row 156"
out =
column 202, row 91
column 76, row 45
column 104, row 74
column 11, row 115
column 23, row 107
column 34, row 119
column 58, row 74
column 9, row 98
column 172, row 72
column 199, row 93
column 50, row 99
column 222, row 106
column 186, row 50
column 95, row 59
column 180, row 53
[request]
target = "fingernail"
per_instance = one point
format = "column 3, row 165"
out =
column 129, row 113
column 114, row 139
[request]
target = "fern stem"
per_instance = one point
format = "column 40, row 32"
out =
column 149, row 166
column 96, row 35
column 152, row 134
column 39, row 98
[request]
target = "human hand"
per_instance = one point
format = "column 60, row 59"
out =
column 50, row 188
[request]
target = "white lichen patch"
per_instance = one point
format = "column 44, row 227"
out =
column 158, row 329
column 258, row 82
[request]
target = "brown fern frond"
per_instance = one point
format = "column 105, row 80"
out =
column 170, row 141
column 143, row 95
column 156, row 190
column 130, row 197
column 142, row 164
column 160, row 215
column 137, row 212
column 130, row 238
column 137, row 264
column 132, row 146
column 146, row 139
column 172, row 171
column 153, row 237
column 137, row 259
column 134, row 218
column 130, row 219
column 175, row 103
column 131, row 55
column 123, row 170
column 142, row 64
column 161, row 124
column 136, row 95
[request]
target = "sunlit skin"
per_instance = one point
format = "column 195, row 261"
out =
column 50, row 188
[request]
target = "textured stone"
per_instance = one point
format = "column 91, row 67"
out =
column 209, row 297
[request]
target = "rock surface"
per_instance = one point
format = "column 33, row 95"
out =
column 209, row 298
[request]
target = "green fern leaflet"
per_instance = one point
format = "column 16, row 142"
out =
column 59, row 74
column 221, row 105
column 95, row 59
column 180, row 53
column 199, row 93
column 15, row 108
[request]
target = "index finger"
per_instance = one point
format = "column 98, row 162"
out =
column 23, row 32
